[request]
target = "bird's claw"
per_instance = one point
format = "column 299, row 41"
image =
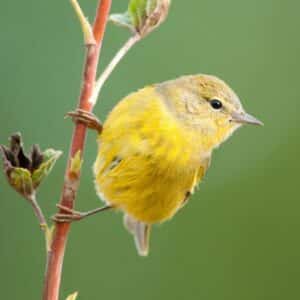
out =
column 87, row 118
column 69, row 216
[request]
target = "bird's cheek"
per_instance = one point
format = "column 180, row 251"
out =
column 223, row 122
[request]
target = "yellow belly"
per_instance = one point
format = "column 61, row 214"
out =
column 146, row 163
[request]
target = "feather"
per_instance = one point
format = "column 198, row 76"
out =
column 141, row 233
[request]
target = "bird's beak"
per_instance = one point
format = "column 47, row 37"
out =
column 244, row 118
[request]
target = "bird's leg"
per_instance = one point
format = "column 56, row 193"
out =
column 87, row 118
column 71, row 215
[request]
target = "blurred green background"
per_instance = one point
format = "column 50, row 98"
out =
column 239, row 236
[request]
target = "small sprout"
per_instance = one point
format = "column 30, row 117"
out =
column 20, row 180
column 76, row 163
column 143, row 16
column 25, row 172
column 72, row 296
column 50, row 157
column 48, row 236
column 85, row 25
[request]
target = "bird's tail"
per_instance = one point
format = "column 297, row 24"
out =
column 141, row 233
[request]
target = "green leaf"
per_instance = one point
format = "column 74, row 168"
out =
column 137, row 12
column 122, row 20
column 151, row 5
column 20, row 180
column 142, row 16
column 50, row 157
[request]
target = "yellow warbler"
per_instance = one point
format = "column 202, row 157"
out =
column 156, row 146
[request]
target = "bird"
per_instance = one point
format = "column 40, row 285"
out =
column 156, row 146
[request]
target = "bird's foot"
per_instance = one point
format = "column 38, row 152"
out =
column 87, row 118
column 68, row 215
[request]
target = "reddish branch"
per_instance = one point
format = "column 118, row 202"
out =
column 71, row 182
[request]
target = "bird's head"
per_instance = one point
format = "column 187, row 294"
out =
column 217, row 108
column 220, row 103
column 207, row 105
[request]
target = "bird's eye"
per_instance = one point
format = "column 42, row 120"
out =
column 216, row 104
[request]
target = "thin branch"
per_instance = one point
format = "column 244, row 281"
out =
column 71, row 182
column 37, row 211
column 85, row 25
column 146, row 25
column 42, row 221
column 111, row 66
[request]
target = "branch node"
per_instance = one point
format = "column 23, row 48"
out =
column 43, row 226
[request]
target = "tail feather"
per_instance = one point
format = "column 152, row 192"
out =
column 141, row 233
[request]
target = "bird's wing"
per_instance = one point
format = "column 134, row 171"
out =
column 199, row 174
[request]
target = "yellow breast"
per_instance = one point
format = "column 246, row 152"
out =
column 147, row 161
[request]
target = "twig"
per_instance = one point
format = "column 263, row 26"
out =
column 85, row 25
column 71, row 182
column 111, row 66
column 42, row 220
column 37, row 211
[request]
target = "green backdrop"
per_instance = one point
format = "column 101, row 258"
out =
column 238, row 238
